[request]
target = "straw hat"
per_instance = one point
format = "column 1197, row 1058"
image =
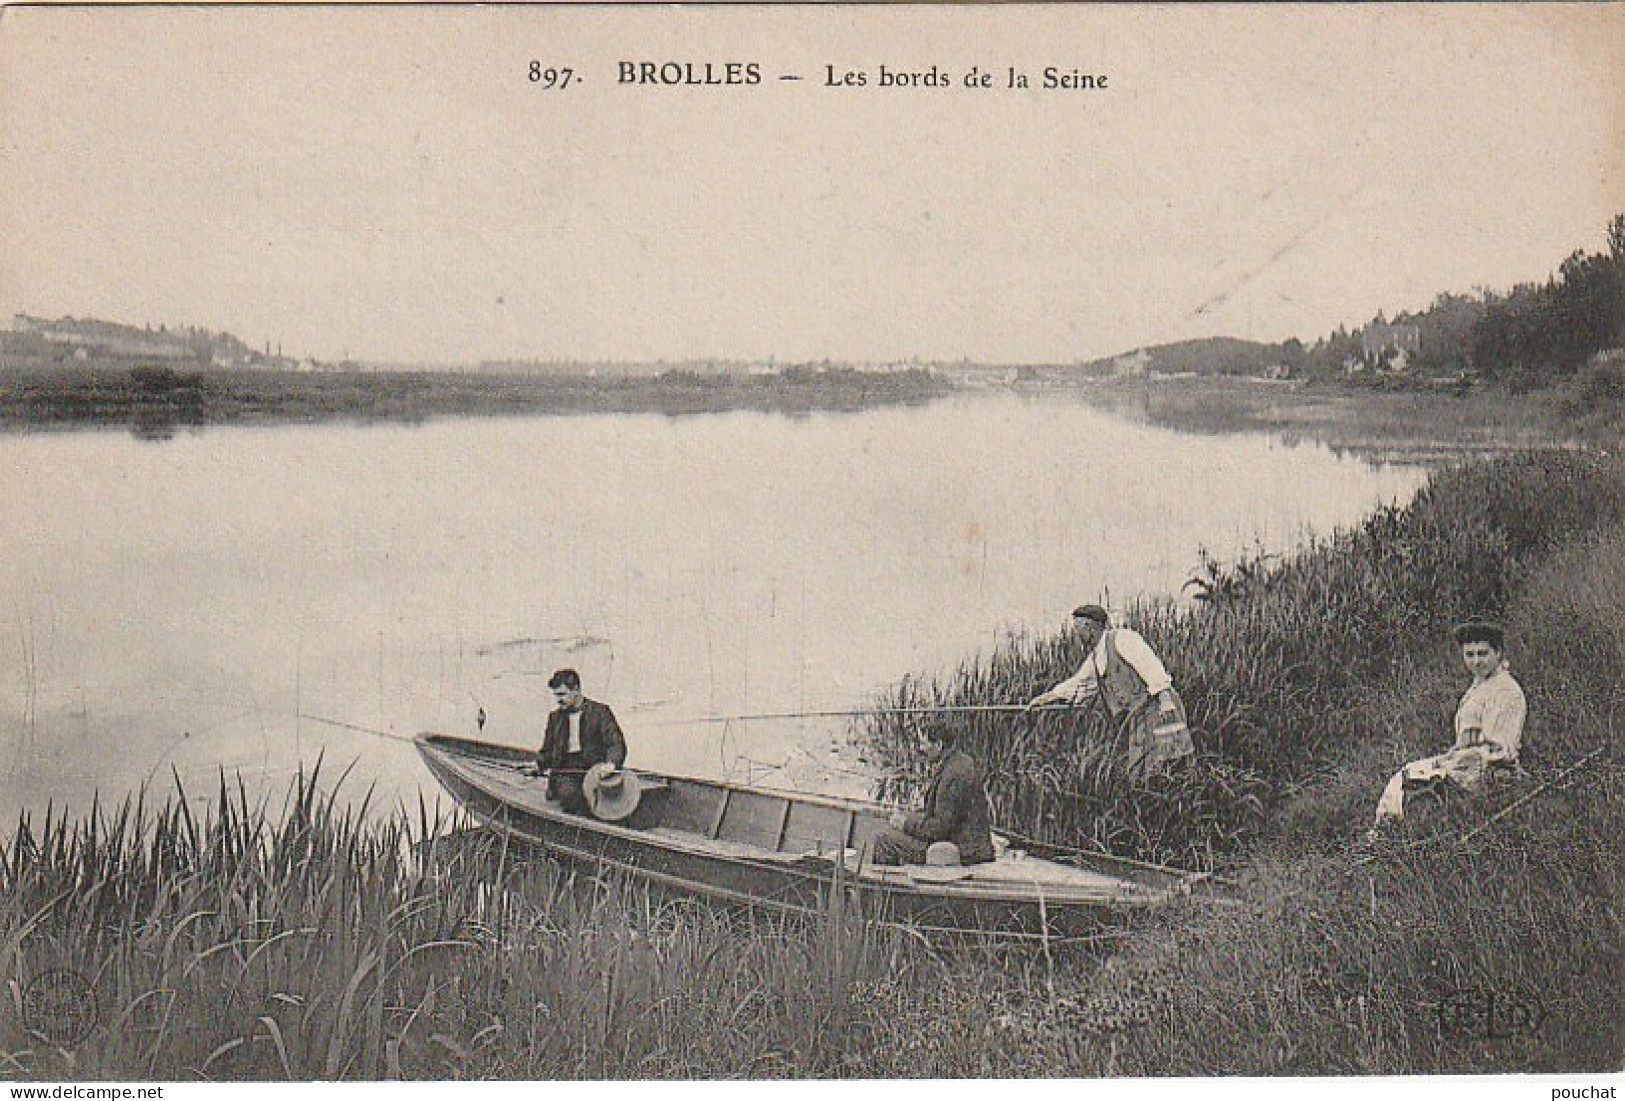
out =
column 611, row 793
column 941, row 865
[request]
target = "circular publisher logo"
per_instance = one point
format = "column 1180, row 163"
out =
column 59, row 1006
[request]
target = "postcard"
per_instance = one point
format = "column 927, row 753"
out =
column 811, row 542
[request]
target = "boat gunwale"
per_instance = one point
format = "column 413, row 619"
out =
column 838, row 802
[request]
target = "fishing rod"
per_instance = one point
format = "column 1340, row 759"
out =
column 357, row 729
column 515, row 766
column 969, row 709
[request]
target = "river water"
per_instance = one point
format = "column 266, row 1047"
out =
column 247, row 599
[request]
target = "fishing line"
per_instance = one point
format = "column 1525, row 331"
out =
column 826, row 767
column 170, row 748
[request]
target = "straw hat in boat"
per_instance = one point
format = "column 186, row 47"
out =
column 612, row 793
column 941, row 865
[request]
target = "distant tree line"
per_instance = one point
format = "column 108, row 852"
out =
column 1535, row 335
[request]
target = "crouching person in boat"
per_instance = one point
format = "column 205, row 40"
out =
column 1489, row 726
column 955, row 826
column 1124, row 673
column 581, row 733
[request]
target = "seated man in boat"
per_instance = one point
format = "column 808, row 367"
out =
column 956, row 824
column 1489, row 726
column 1125, row 674
column 580, row 733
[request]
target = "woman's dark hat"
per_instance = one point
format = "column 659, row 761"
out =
column 1092, row 611
column 1479, row 630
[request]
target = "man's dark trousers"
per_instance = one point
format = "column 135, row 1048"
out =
column 564, row 784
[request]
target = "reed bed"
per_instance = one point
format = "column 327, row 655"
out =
column 321, row 941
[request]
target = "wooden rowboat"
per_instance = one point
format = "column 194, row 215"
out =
column 781, row 850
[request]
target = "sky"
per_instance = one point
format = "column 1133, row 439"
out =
column 387, row 184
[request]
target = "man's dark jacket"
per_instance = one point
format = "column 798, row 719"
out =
column 956, row 810
column 601, row 738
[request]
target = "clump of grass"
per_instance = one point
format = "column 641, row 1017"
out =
column 1595, row 398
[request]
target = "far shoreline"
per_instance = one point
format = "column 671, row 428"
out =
column 1465, row 422
column 155, row 401
column 1414, row 423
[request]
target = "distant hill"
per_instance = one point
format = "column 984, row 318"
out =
column 1216, row 355
column 39, row 340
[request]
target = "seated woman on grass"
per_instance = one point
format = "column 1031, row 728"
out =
column 1489, row 725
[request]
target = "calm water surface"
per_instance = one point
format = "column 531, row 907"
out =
column 227, row 598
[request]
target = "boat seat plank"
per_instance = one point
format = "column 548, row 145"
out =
column 722, row 812
column 753, row 817
column 811, row 827
column 784, row 824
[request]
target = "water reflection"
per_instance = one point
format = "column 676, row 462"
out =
column 248, row 598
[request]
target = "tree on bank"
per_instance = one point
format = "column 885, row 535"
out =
column 1543, row 334
column 1536, row 335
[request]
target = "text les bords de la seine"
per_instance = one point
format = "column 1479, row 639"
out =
column 723, row 74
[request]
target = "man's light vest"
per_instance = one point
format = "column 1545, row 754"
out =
column 1120, row 684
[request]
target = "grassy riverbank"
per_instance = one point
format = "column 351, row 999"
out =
column 1309, row 681
column 160, row 400
column 1282, row 664
column 296, row 942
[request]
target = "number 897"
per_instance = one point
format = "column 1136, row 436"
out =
column 550, row 77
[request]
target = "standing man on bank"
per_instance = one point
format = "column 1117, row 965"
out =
column 580, row 733
column 1126, row 675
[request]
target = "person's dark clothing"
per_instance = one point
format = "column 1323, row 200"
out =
column 955, row 810
column 601, row 742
